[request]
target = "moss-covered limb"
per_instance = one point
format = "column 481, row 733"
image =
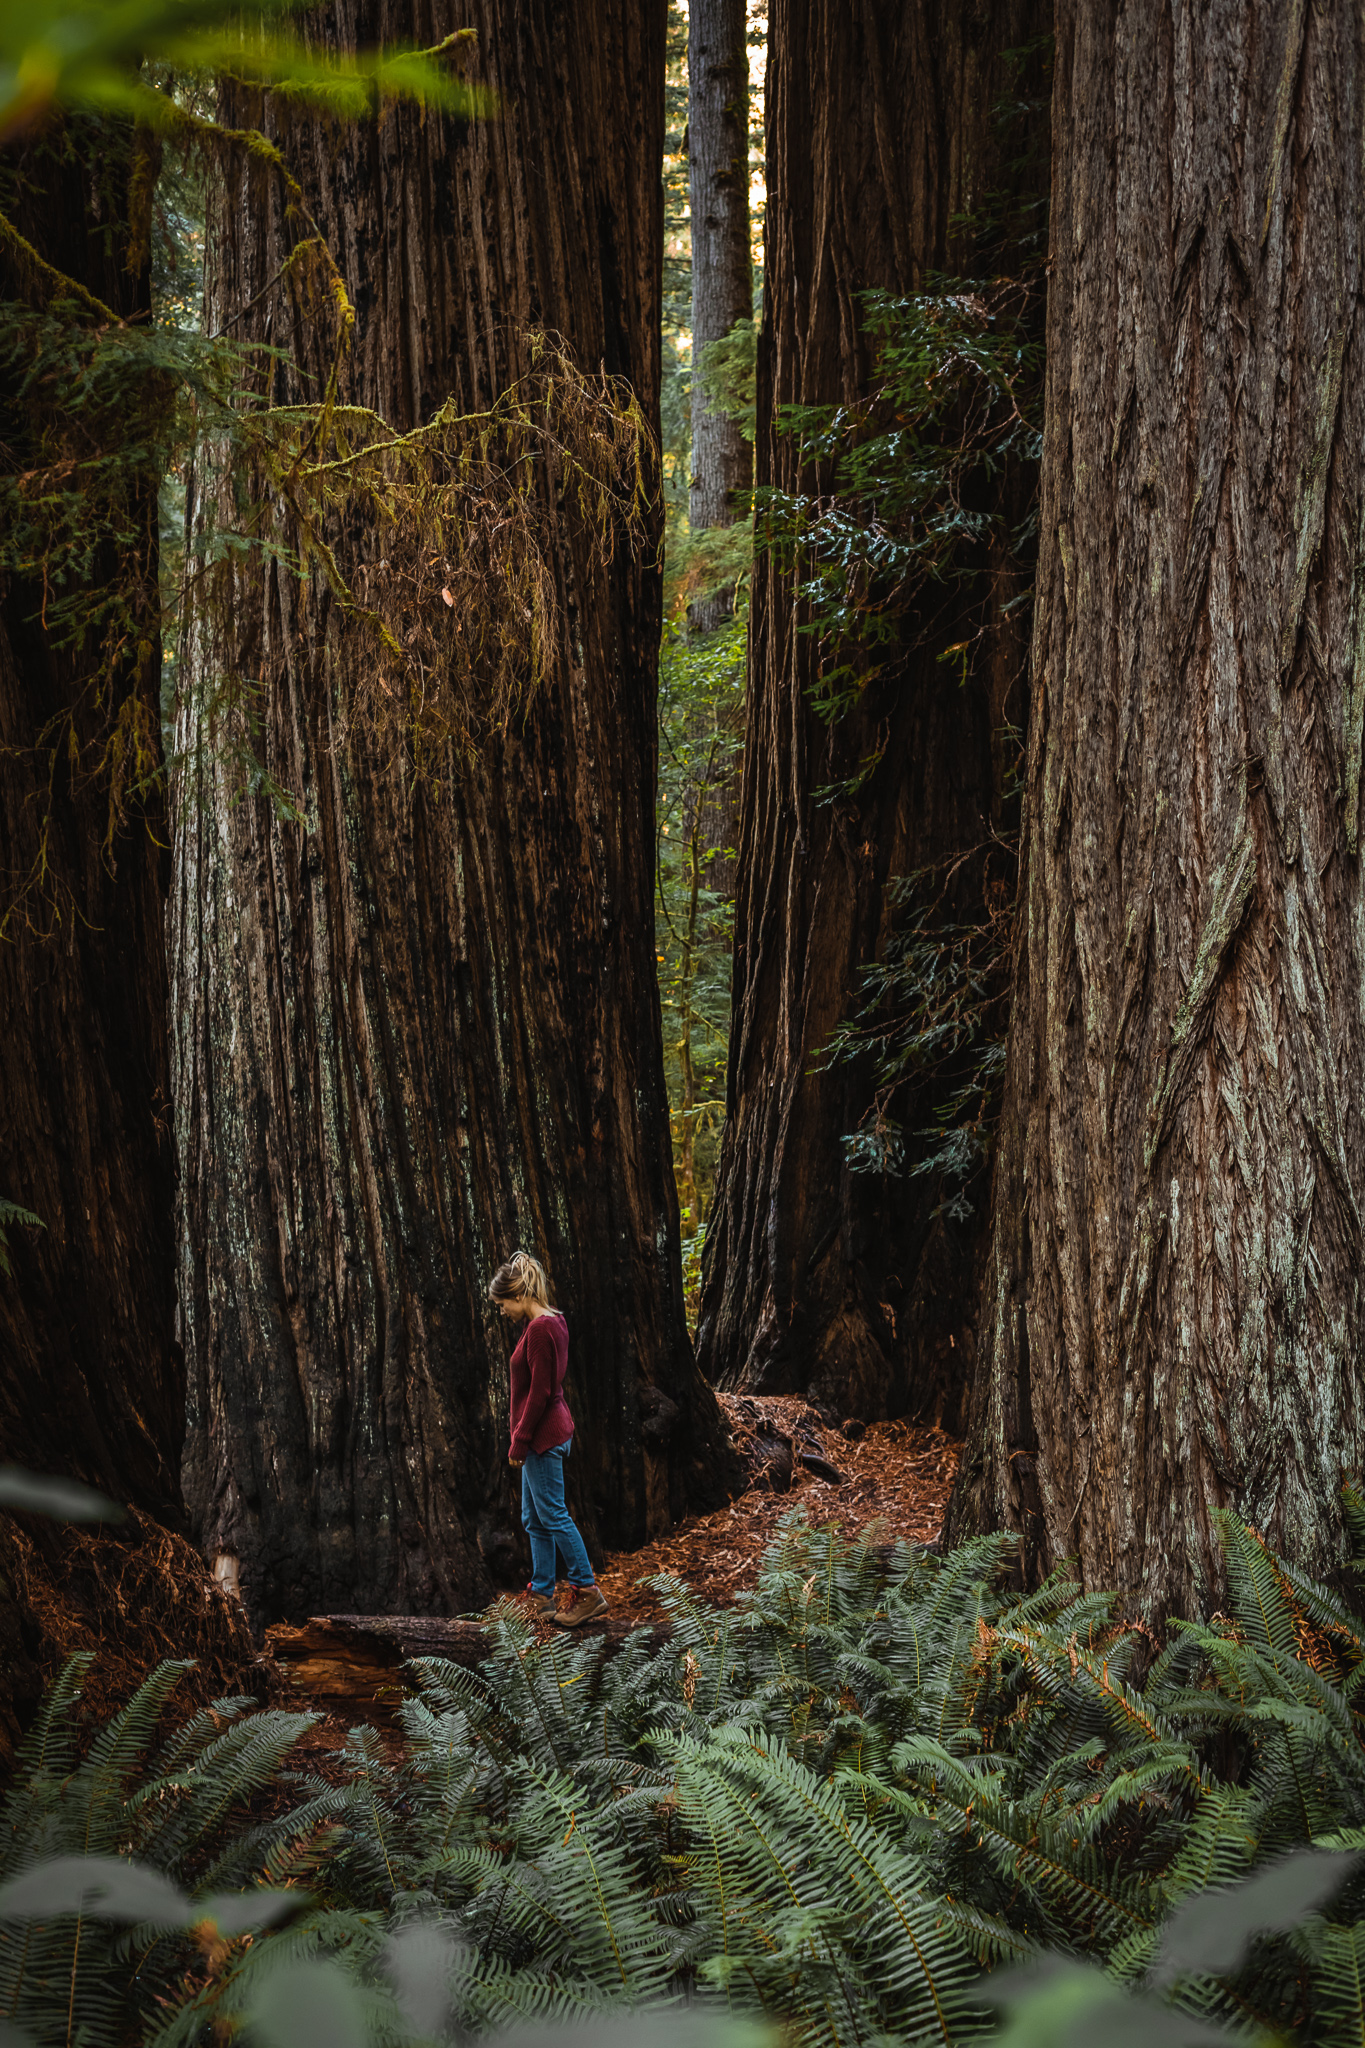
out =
column 455, row 587
column 302, row 252
column 219, row 138
column 43, row 284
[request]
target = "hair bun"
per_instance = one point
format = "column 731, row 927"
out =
column 520, row 1278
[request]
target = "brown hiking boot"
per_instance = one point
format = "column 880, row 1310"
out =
column 535, row 1604
column 588, row 1603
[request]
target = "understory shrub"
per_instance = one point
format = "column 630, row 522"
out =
column 838, row 1808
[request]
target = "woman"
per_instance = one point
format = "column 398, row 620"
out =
column 542, row 1430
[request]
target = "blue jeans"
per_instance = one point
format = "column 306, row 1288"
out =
column 548, row 1522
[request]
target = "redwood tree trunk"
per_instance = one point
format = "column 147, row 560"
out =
column 882, row 128
column 91, row 1384
column 91, row 1379
column 422, row 1028
column 722, row 287
column 1172, row 1320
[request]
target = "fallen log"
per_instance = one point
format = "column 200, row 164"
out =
column 352, row 1665
column 822, row 1468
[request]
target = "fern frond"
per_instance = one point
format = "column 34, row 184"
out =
column 1337, row 1958
column 50, row 1744
column 1353, row 1514
column 125, row 1741
column 1256, row 1588
column 790, row 1872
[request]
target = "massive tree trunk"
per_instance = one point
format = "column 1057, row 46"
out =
column 1172, row 1319
column 421, row 1028
column 882, row 129
column 722, row 287
column 91, row 1381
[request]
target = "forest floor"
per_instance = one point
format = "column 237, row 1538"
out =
column 891, row 1479
column 896, row 1474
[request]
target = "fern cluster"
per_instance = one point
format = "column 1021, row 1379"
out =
column 839, row 1806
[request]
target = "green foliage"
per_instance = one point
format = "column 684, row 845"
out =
column 119, row 1867
column 729, row 374
column 909, row 503
column 933, row 1011
column 676, row 406
column 702, row 688
column 717, row 559
column 88, row 53
column 840, row 1806
column 11, row 1214
column 908, row 494
column 697, row 564
column 902, row 491
column 701, row 723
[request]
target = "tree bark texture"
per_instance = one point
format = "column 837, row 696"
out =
column 722, row 287
column 91, row 1383
column 423, row 1028
column 881, row 130
column 1172, row 1320
column 91, row 1378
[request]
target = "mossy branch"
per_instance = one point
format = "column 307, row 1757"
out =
column 44, row 283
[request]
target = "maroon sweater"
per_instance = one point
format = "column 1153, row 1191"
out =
column 540, row 1414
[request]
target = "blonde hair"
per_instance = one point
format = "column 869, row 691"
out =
column 520, row 1278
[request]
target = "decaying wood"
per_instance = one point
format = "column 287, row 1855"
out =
column 774, row 1436
column 355, row 1665
column 422, row 1027
column 1173, row 1312
column 882, row 132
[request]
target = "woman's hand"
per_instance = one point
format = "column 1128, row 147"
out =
column 517, row 1462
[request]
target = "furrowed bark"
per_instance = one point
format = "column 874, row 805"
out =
column 722, row 287
column 882, row 133
column 91, row 1379
column 91, row 1384
column 423, row 1028
column 1172, row 1320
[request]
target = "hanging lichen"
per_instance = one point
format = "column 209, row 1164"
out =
column 438, row 546
column 437, row 549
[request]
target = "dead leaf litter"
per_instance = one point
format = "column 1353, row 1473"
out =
column 898, row 1474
